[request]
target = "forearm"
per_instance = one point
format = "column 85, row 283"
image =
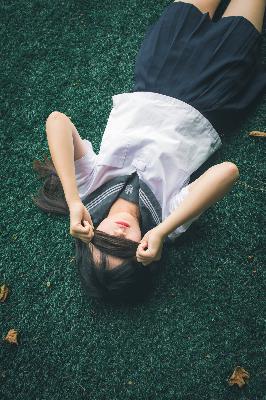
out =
column 60, row 142
column 210, row 188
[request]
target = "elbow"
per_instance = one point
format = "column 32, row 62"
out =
column 56, row 116
column 232, row 170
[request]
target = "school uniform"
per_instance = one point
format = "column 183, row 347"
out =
column 161, row 139
column 162, row 131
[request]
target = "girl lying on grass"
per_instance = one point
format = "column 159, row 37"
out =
column 193, row 77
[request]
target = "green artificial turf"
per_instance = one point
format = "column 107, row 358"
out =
column 207, row 314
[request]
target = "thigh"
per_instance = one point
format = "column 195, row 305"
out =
column 204, row 6
column 253, row 11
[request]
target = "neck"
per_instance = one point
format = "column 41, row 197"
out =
column 123, row 205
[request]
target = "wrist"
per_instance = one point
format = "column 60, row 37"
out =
column 73, row 201
column 161, row 231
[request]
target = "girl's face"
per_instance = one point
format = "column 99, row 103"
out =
column 111, row 226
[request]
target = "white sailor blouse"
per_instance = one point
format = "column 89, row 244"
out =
column 151, row 145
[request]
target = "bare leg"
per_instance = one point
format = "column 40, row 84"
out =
column 209, row 6
column 253, row 10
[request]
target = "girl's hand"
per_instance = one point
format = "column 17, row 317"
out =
column 78, row 215
column 152, row 241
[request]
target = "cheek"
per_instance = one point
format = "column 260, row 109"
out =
column 136, row 235
column 104, row 226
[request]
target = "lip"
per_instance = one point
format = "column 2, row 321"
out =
column 123, row 223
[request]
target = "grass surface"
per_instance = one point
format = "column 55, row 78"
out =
column 207, row 314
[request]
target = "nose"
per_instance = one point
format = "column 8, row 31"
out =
column 120, row 232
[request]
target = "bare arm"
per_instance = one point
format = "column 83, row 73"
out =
column 60, row 138
column 204, row 191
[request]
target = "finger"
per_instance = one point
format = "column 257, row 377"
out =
column 143, row 262
column 144, row 253
column 89, row 220
column 144, row 242
column 142, row 246
column 144, row 258
column 141, row 256
column 78, row 227
column 87, row 231
column 88, row 217
column 89, row 223
column 90, row 233
column 88, row 226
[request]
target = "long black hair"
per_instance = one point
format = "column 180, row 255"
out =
column 129, row 282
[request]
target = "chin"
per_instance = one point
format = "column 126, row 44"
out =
column 125, row 214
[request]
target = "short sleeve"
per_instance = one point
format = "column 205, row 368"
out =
column 84, row 168
column 175, row 202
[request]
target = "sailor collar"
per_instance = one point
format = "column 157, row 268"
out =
column 99, row 202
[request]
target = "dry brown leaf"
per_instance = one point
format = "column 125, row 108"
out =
column 3, row 293
column 257, row 133
column 12, row 336
column 238, row 377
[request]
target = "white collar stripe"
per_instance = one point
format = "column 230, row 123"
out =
column 105, row 194
column 147, row 202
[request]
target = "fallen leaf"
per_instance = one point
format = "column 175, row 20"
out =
column 238, row 377
column 257, row 133
column 12, row 336
column 48, row 284
column 3, row 293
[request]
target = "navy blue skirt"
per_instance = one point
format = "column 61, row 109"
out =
column 214, row 66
